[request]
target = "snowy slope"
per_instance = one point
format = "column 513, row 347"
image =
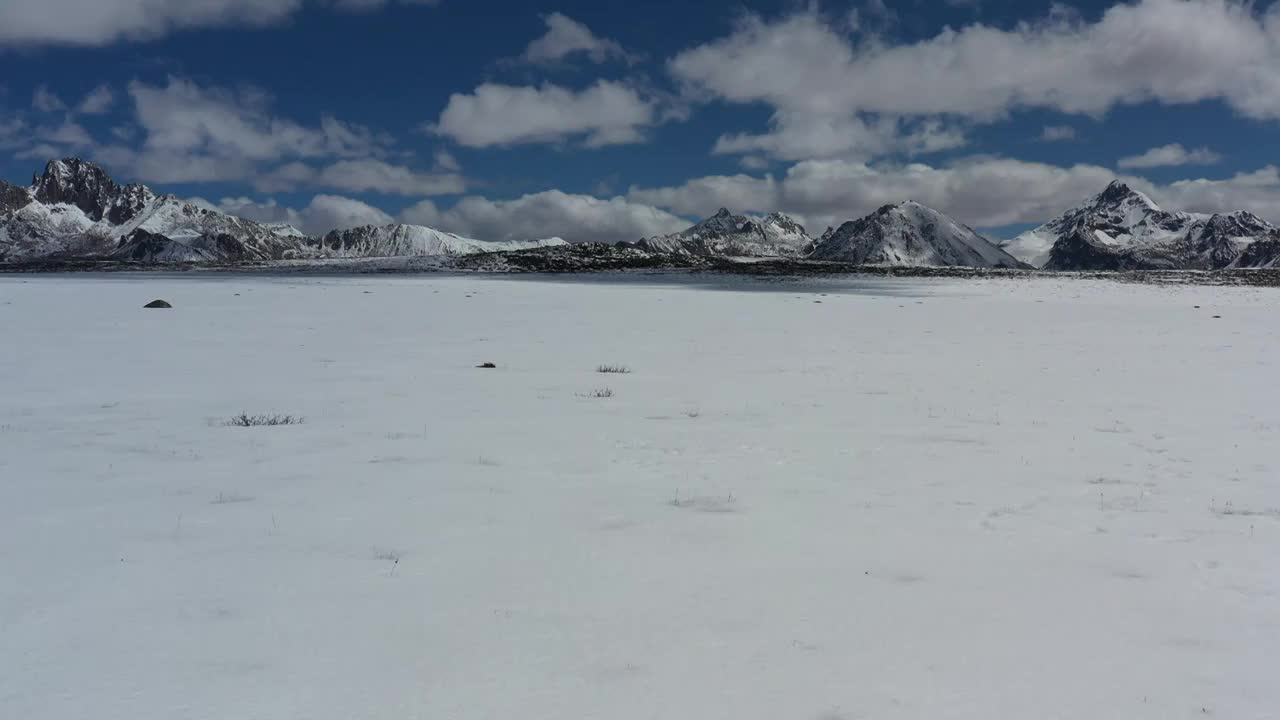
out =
column 1042, row 499
column 729, row 235
column 910, row 234
column 415, row 240
column 74, row 209
column 1122, row 228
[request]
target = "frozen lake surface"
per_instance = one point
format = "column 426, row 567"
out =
column 818, row 500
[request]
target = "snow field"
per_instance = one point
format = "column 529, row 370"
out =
column 1047, row 498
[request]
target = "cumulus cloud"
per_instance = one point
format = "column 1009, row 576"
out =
column 606, row 113
column 102, row 22
column 575, row 218
column 1170, row 156
column 322, row 214
column 1058, row 133
column 978, row 191
column 98, row 101
column 46, row 101
column 446, row 162
column 797, row 136
column 191, row 133
column 12, row 129
column 1257, row 192
column 815, row 74
column 183, row 132
column 68, row 133
column 364, row 175
column 982, row 192
column 567, row 37
column 183, row 116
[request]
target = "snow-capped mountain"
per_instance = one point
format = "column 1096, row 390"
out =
column 415, row 240
column 910, row 234
column 726, row 234
column 75, row 210
column 1123, row 229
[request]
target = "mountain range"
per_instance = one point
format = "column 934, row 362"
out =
column 74, row 210
column 726, row 234
column 1123, row 229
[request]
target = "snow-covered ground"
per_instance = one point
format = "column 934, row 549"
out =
column 1047, row 498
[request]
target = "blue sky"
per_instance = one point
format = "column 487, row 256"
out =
column 611, row 120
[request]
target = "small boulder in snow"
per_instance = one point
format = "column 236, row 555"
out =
column 158, row 305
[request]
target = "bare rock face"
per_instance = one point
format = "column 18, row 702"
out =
column 73, row 181
column 13, row 198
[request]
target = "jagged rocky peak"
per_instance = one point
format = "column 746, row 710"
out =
column 1123, row 229
column 1237, row 224
column 784, row 222
column 728, row 234
column 1118, row 192
column 72, row 181
column 13, row 197
column 725, row 221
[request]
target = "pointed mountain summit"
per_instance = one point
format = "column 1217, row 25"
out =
column 75, row 210
column 1118, row 207
column 87, row 186
column 913, row 235
column 729, row 235
column 1123, row 229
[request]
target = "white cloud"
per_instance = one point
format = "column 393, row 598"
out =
column 39, row 151
column 821, row 80
column 186, row 133
column 102, row 22
column 982, row 191
column 12, row 130
column 46, row 101
column 68, row 134
column 364, row 5
column 365, row 175
column 1170, row 156
column 322, row 214
column 1058, row 133
column 979, row 191
column 1257, row 192
column 566, row 36
column 446, row 162
column 701, row 197
column 98, row 101
column 192, row 133
column 798, row 136
column 182, row 116
column 575, row 218
column 606, row 113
